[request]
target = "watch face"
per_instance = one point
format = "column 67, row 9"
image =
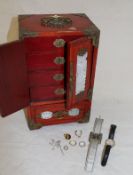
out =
column 110, row 142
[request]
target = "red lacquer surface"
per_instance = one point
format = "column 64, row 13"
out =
column 14, row 91
column 44, row 60
column 46, row 43
column 46, row 93
column 45, row 78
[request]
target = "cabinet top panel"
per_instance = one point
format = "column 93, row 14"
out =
column 55, row 24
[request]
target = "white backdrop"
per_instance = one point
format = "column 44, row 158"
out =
column 24, row 152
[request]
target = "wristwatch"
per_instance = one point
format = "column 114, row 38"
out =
column 109, row 143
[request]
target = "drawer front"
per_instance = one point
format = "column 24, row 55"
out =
column 47, row 93
column 62, row 116
column 46, row 78
column 47, row 43
column 46, row 60
column 57, row 113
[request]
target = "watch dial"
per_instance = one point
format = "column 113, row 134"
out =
column 110, row 142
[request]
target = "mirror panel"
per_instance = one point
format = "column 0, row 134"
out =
column 81, row 72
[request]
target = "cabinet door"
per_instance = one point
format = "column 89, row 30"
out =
column 14, row 93
column 79, row 60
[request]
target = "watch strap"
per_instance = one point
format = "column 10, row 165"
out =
column 105, row 156
column 112, row 131
column 95, row 138
column 108, row 145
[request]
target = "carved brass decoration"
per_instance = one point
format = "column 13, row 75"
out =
column 82, row 51
column 93, row 32
column 58, row 77
column 56, row 21
column 59, row 60
column 59, row 91
column 59, row 43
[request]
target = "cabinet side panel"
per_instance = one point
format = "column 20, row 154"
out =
column 95, row 52
column 14, row 93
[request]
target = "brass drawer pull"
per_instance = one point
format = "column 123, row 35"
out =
column 59, row 60
column 58, row 77
column 59, row 43
column 60, row 114
column 59, row 91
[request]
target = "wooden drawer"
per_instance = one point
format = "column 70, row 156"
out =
column 47, row 93
column 45, row 60
column 57, row 113
column 59, row 117
column 47, row 43
column 46, row 78
column 41, row 44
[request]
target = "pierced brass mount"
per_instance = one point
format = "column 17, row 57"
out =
column 56, row 21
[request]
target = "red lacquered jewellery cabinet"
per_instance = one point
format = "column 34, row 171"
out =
column 50, row 70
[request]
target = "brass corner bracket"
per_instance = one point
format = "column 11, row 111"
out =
column 93, row 32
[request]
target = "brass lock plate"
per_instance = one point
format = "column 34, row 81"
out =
column 60, row 114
